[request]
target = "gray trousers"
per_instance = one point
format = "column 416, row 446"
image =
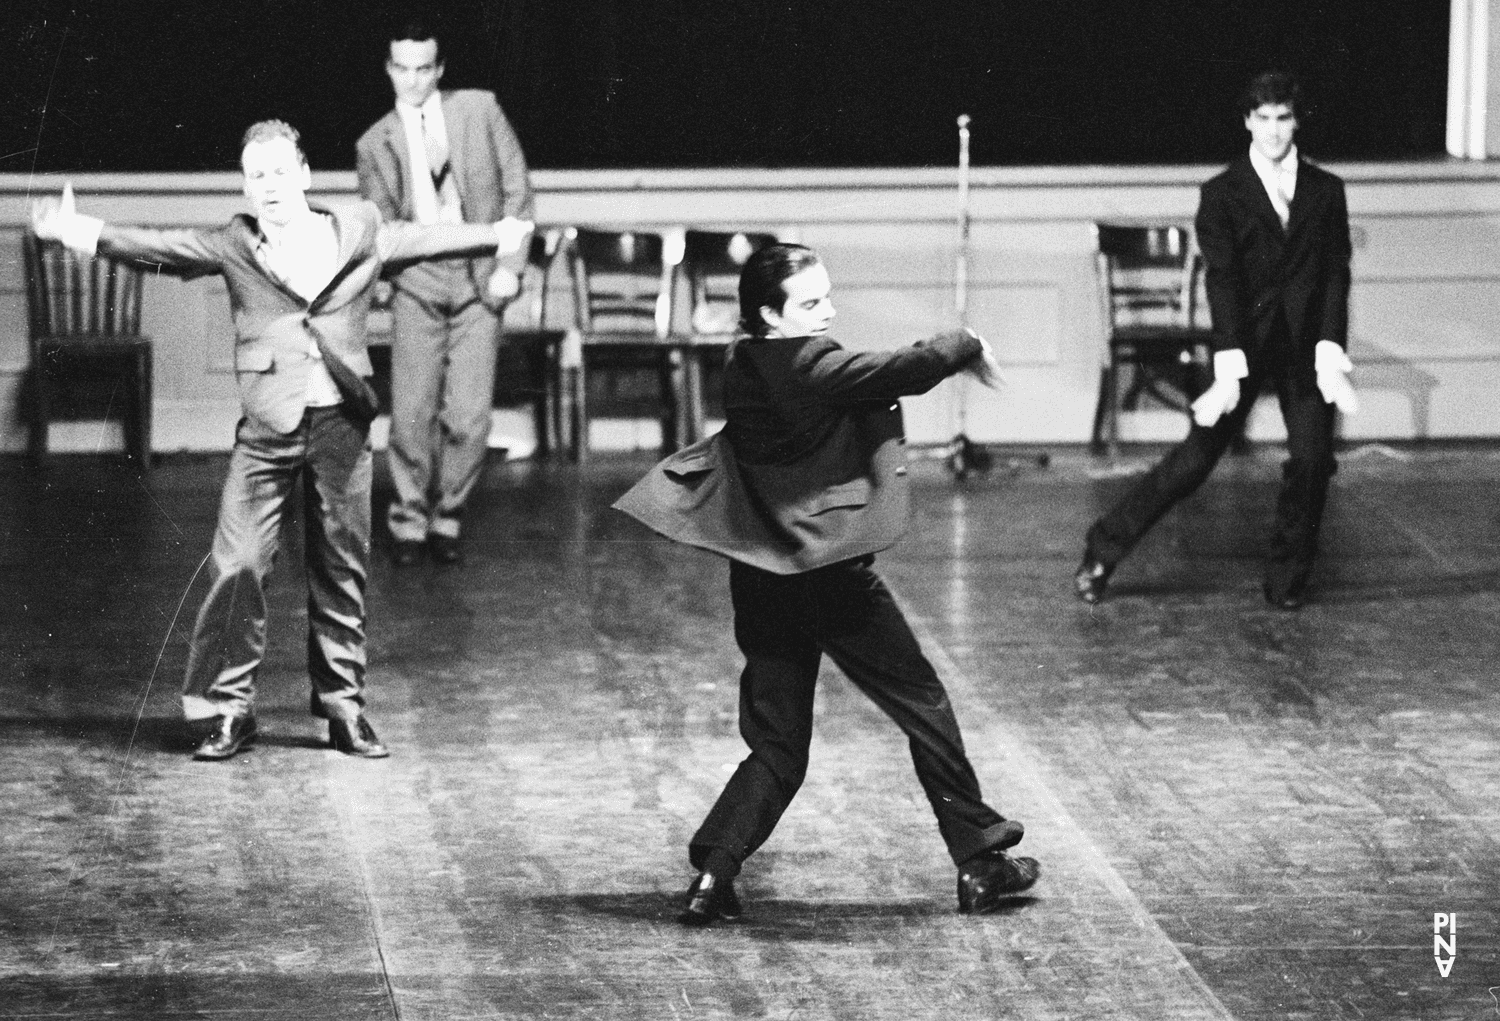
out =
column 442, row 391
column 330, row 454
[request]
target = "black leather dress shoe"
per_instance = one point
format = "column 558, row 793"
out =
column 356, row 737
column 987, row 879
column 1090, row 581
column 405, row 552
column 1292, row 599
column 445, row 549
column 710, row 899
column 230, row 735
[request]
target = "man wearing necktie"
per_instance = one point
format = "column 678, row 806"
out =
column 1274, row 232
column 300, row 278
column 441, row 157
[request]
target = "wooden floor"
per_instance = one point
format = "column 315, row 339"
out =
column 1241, row 813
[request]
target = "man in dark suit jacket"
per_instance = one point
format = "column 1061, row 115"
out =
column 1274, row 232
column 300, row 279
column 802, row 487
column 442, row 157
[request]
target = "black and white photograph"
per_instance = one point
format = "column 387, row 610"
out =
column 773, row 509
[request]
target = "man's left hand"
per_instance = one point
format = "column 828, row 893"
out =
column 1333, row 366
column 986, row 367
column 503, row 284
column 511, row 234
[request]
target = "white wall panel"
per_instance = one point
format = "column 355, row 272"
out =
column 1425, row 316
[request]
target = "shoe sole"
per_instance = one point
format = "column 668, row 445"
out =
column 384, row 753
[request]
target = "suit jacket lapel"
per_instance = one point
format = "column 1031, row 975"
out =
column 455, row 128
column 260, row 255
column 350, row 232
column 1255, row 194
column 1304, row 198
column 395, row 142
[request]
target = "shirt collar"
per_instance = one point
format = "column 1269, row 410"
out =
column 431, row 107
column 1265, row 167
column 277, row 235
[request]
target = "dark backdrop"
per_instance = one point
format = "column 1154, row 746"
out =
column 154, row 85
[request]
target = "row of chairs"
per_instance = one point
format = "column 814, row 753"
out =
column 85, row 317
column 85, row 330
column 624, row 318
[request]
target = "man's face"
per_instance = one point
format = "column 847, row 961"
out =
column 807, row 311
column 276, row 180
column 414, row 69
column 1272, row 127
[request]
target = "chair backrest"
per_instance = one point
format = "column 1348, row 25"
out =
column 712, row 261
column 621, row 282
column 77, row 297
column 1148, row 274
column 545, row 244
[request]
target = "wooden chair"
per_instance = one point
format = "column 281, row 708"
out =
column 1148, row 278
column 622, row 297
column 85, row 323
column 712, row 261
column 538, row 344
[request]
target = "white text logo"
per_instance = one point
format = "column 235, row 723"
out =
column 1445, row 948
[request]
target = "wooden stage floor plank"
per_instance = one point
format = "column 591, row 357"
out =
column 1241, row 813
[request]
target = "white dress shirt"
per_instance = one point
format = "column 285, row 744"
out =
column 304, row 254
column 1279, row 178
column 429, row 208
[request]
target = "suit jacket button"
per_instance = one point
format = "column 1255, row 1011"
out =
column 901, row 470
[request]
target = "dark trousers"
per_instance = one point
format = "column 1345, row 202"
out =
column 1305, row 475
column 330, row 454
column 784, row 624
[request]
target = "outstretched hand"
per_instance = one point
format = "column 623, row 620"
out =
column 49, row 215
column 985, row 367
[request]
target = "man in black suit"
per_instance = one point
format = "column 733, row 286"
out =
column 1274, row 232
column 802, row 487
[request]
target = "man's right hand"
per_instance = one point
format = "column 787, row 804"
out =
column 50, row 217
column 511, row 233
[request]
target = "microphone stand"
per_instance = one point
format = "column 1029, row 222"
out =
column 964, row 455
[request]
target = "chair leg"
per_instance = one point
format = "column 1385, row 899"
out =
column 579, row 416
column 693, row 413
column 140, row 444
column 536, row 371
column 37, row 440
column 1101, row 405
column 669, row 374
column 1114, row 405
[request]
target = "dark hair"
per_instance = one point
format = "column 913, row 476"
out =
column 265, row 131
column 1273, row 88
column 417, row 29
column 761, row 282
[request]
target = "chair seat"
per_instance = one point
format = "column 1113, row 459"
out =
column 92, row 348
column 1174, row 336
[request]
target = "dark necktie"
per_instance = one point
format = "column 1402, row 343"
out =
column 439, row 167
